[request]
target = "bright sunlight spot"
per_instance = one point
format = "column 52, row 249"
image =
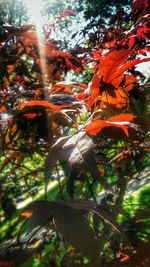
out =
column 34, row 10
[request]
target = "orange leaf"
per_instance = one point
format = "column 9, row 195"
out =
column 128, row 65
column 120, row 122
column 125, row 258
column 31, row 116
column 3, row 109
column 37, row 103
column 122, row 118
column 111, row 62
column 111, row 83
column 26, row 214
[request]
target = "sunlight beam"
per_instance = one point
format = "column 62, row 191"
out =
column 34, row 8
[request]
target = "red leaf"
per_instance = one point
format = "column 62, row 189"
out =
column 131, row 42
column 29, row 35
column 121, row 122
column 28, row 39
column 81, row 96
column 128, row 65
column 125, row 258
column 64, row 87
column 65, row 14
column 15, row 31
column 142, row 32
column 3, row 109
column 111, row 62
column 37, row 103
column 139, row 7
column 122, row 118
column 30, row 116
column 111, row 83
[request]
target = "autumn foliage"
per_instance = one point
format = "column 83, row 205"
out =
column 38, row 104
